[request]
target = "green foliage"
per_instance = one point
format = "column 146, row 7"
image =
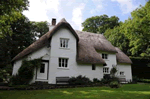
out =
column 20, row 38
column 113, row 71
column 25, row 72
column 10, row 12
column 39, row 28
column 99, row 24
column 95, row 80
column 133, row 36
column 79, row 80
column 4, row 76
column 114, row 84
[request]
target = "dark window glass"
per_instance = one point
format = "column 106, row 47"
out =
column 93, row 67
column 66, row 62
column 59, row 62
column 60, row 42
column 103, row 56
column 42, row 69
column 62, row 62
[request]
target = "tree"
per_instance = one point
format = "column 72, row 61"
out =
column 10, row 12
column 20, row 38
column 118, row 39
column 137, row 29
column 39, row 28
column 99, row 24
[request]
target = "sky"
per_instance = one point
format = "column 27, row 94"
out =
column 77, row 11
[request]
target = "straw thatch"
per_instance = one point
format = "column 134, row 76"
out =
column 122, row 58
column 87, row 44
column 43, row 41
column 98, row 41
column 87, row 53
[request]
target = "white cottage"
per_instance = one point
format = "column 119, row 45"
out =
column 66, row 53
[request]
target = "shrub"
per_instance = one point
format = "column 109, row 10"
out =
column 79, row 80
column 107, row 76
column 25, row 72
column 4, row 76
column 95, row 80
column 114, row 84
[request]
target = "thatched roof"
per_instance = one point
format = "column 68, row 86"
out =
column 86, row 53
column 87, row 44
column 122, row 58
column 98, row 41
column 43, row 41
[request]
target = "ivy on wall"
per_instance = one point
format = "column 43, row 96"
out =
column 26, row 72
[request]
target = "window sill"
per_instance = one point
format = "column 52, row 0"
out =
column 64, row 48
column 62, row 68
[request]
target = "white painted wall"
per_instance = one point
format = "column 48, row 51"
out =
column 73, row 69
column 111, row 59
column 127, row 70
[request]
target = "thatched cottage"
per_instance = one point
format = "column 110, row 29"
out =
column 66, row 53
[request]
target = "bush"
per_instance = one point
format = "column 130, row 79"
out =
column 114, row 84
column 107, row 79
column 25, row 72
column 107, row 76
column 79, row 80
column 95, row 80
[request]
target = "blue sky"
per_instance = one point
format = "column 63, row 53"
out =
column 77, row 11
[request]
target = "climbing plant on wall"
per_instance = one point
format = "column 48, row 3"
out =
column 26, row 72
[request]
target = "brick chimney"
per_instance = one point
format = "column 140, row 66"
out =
column 53, row 23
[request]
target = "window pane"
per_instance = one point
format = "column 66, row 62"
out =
column 62, row 62
column 66, row 43
column 59, row 62
column 66, row 63
column 42, row 68
column 103, row 56
column 60, row 42
column 93, row 67
column 63, row 42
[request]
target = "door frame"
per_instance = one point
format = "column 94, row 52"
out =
column 46, row 61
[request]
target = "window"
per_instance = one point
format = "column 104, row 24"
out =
column 93, row 67
column 42, row 68
column 64, row 43
column 121, row 73
column 106, row 70
column 105, row 56
column 63, row 62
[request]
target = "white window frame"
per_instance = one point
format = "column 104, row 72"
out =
column 64, row 42
column 104, row 56
column 106, row 70
column 62, row 62
column 122, row 73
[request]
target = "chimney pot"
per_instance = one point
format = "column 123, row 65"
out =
column 53, row 21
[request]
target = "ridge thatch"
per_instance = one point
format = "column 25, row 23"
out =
column 122, row 58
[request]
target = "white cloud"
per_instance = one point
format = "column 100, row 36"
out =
column 99, row 6
column 39, row 9
column 126, row 6
column 77, row 15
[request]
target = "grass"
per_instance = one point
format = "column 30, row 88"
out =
column 128, row 91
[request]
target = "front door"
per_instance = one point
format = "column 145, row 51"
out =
column 42, row 71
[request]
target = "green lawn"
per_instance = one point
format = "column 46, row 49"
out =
column 129, row 91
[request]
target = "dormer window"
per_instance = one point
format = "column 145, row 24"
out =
column 105, row 56
column 64, row 43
